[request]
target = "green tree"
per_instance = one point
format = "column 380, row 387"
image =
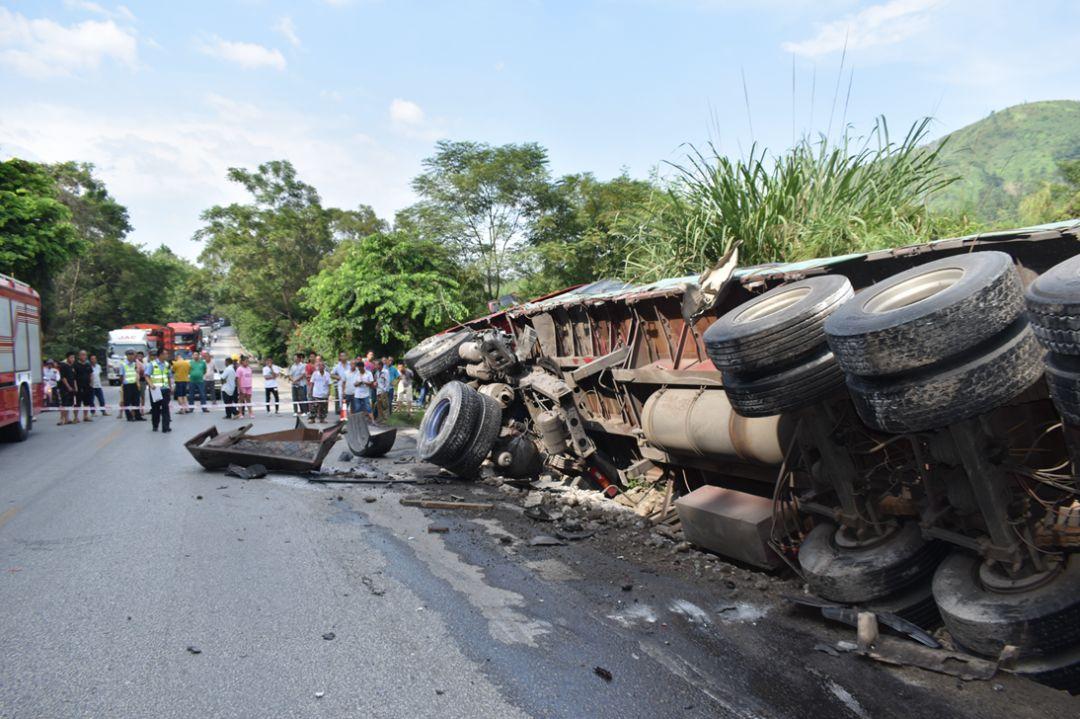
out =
column 481, row 200
column 36, row 233
column 1054, row 201
column 261, row 254
column 583, row 234
column 387, row 290
column 188, row 292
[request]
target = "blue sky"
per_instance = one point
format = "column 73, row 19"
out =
column 164, row 96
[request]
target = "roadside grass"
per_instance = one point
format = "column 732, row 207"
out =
column 820, row 198
column 405, row 419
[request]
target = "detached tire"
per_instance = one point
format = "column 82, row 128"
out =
column 926, row 315
column 778, row 327
column 857, row 575
column 784, row 390
column 438, row 354
column 954, row 391
column 1053, row 304
column 449, row 423
column 1041, row 621
column 477, row 449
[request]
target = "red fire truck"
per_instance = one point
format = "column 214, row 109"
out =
column 187, row 337
column 157, row 336
column 21, row 392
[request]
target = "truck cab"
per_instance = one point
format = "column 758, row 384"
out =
column 120, row 341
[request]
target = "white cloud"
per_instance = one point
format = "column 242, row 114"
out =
column 875, row 26
column 168, row 167
column 406, row 112
column 42, row 48
column 248, row 55
column 122, row 12
column 287, row 28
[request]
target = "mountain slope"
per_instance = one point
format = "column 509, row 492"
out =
column 1006, row 156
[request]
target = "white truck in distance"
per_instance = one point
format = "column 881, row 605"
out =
column 120, row 341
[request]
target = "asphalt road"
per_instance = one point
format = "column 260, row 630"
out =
column 120, row 557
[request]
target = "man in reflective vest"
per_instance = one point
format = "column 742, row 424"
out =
column 130, row 390
column 158, row 378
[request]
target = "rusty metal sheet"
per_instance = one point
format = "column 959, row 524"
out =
column 295, row 450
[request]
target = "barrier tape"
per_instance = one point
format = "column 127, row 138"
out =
column 194, row 406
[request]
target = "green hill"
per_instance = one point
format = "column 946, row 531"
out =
column 1006, row 156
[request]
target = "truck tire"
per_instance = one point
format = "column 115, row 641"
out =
column 20, row 430
column 858, row 575
column 449, row 423
column 915, row 604
column 437, row 354
column 1063, row 380
column 1053, row 305
column 784, row 390
column 778, row 327
column 969, row 386
column 488, row 425
column 1060, row 670
column 1040, row 621
column 926, row 315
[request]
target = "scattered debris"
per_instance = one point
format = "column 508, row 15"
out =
column 294, row 450
column 369, row 499
column 192, row 649
column 627, row 587
column 901, row 653
column 320, row 695
column 438, row 529
column 370, row 584
column 438, row 504
column 543, row 540
column 540, row 514
column 573, row 536
column 506, row 539
column 603, row 673
column 198, row 496
column 329, row 636
column 345, row 457
column 440, row 692
column 826, row 649
column 255, row 471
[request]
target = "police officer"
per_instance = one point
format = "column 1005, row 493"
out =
column 158, row 377
column 130, row 388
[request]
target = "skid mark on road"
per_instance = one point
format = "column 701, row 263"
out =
column 117, row 431
column 8, row 514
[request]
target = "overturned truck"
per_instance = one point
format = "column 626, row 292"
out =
column 902, row 426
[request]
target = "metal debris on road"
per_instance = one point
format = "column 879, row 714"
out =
column 329, row 636
column 543, row 540
column 438, row 529
column 255, row 471
column 439, row 504
column 603, row 673
column 369, row 499
column 295, row 450
column 192, row 649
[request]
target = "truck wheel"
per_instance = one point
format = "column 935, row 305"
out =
column 927, row 314
column 1063, row 380
column 1060, row 670
column 964, row 388
column 984, row 611
column 778, row 327
column 438, row 354
column 784, row 390
column 841, row 570
column 483, row 439
column 915, row 604
column 1053, row 304
column 20, row 430
column 449, row 423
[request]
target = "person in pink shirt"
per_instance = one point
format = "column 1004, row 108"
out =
column 243, row 387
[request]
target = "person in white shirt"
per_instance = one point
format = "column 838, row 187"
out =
column 298, row 379
column 51, row 377
column 348, row 385
column 338, row 375
column 95, row 386
column 228, row 389
column 320, row 392
column 270, row 372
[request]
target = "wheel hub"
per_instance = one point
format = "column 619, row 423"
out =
column 772, row 305
column 914, row 290
column 845, row 538
column 994, row 577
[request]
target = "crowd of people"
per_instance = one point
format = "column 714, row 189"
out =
column 366, row 385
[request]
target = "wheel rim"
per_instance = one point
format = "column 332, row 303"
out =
column 438, row 417
column 24, row 414
column 772, row 304
column 916, row 289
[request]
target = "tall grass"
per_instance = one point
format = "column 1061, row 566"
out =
column 820, row 198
